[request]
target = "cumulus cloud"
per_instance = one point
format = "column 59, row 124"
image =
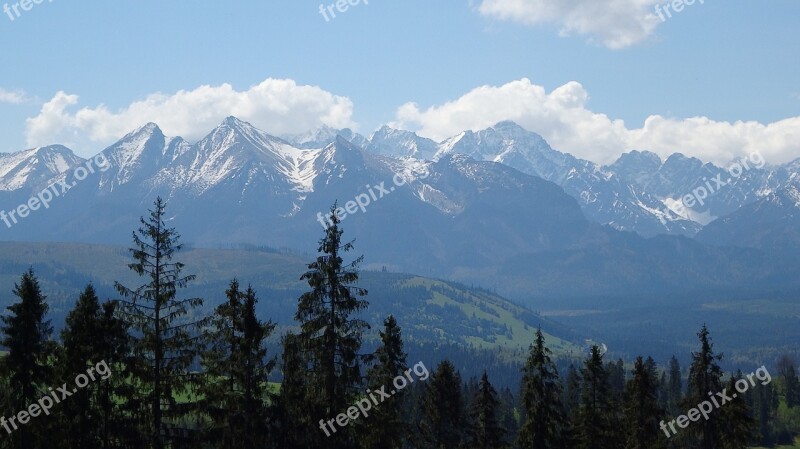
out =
column 616, row 24
column 278, row 106
column 13, row 97
column 564, row 119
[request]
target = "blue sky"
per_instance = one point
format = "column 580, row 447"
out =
column 717, row 80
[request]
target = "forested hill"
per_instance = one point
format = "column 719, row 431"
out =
column 432, row 312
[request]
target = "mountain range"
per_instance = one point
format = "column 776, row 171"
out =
column 498, row 207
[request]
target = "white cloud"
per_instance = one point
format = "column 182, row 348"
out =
column 615, row 24
column 13, row 97
column 563, row 118
column 278, row 106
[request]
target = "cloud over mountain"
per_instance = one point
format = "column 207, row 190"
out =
column 281, row 104
column 564, row 118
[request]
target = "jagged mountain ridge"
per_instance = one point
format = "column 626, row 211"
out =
column 637, row 192
column 453, row 216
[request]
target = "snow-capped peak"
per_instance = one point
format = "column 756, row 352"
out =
column 30, row 168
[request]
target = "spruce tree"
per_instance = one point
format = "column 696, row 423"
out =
column 674, row 388
column 596, row 415
column 82, row 416
column 485, row 430
column 255, row 372
column 737, row 421
column 616, row 379
column 765, row 410
column 572, row 390
column 705, row 376
column 165, row 328
column 443, row 419
column 95, row 340
column 27, row 366
column 544, row 416
column 218, row 359
column 236, row 371
column 572, row 403
column 508, row 413
column 641, row 410
column 293, row 419
column 385, row 428
column 112, row 345
column 329, row 333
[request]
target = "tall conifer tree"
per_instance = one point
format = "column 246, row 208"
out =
column 738, row 425
column 705, row 376
column 443, row 415
column 293, row 420
column 112, row 345
column 329, row 334
column 674, row 388
column 485, row 430
column 81, row 414
column 543, row 412
column 385, row 428
column 27, row 366
column 595, row 419
column 165, row 328
column 641, row 410
column 236, row 371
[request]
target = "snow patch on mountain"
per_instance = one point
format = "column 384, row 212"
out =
column 34, row 167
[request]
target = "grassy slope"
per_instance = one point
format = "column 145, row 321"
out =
column 500, row 311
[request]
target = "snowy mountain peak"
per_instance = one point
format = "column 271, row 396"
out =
column 31, row 168
column 147, row 139
column 639, row 157
column 323, row 136
column 137, row 155
column 510, row 125
column 507, row 143
column 680, row 159
column 234, row 146
column 244, row 164
column 399, row 143
column 387, row 133
column 143, row 132
column 345, row 152
column 636, row 166
column 323, row 133
column 57, row 158
column 238, row 124
column 510, row 129
column 233, row 121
